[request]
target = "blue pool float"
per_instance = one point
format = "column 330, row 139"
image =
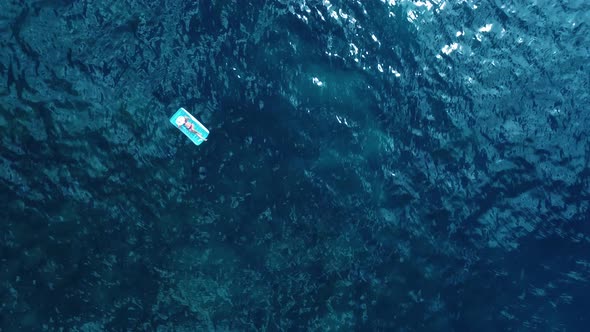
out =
column 189, row 126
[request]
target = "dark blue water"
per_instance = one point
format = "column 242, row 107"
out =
column 372, row 166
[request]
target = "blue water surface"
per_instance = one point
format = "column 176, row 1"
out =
column 378, row 165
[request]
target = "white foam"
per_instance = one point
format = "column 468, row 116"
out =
column 486, row 28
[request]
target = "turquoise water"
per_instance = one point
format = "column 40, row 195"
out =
column 372, row 166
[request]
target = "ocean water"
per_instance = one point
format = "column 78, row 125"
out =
column 372, row 166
